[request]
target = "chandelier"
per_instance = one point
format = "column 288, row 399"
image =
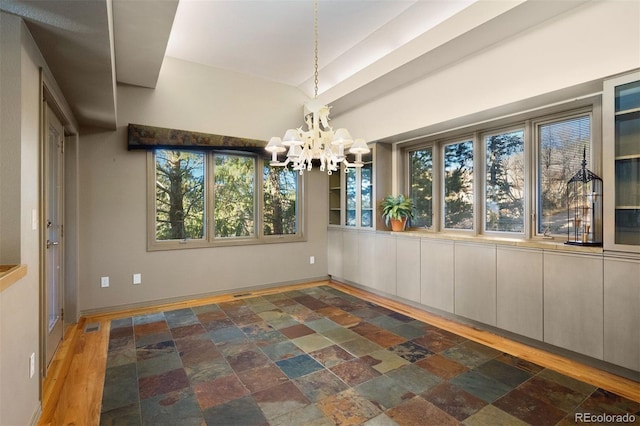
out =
column 319, row 141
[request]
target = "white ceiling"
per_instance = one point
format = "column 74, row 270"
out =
column 274, row 39
column 366, row 47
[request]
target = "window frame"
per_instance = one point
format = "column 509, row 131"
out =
column 210, row 240
column 435, row 182
column 441, row 159
column 535, row 188
column 524, row 120
column 483, row 182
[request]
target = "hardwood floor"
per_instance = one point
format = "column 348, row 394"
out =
column 72, row 392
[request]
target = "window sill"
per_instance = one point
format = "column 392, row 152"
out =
column 534, row 243
column 219, row 243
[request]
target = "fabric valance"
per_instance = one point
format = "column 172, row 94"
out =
column 150, row 137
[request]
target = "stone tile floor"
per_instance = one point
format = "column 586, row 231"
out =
column 318, row 356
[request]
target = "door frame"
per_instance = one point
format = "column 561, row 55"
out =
column 49, row 94
column 53, row 246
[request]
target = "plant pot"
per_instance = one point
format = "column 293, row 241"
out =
column 397, row 225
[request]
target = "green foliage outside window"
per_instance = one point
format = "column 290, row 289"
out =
column 421, row 187
column 458, row 185
column 179, row 195
column 280, row 200
column 505, row 182
column 234, row 177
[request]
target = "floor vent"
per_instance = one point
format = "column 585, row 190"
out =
column 242, row 295
column 90, row 328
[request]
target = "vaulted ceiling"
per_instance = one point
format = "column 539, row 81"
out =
column 366, row 47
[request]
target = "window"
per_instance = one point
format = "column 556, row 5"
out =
column 524, row 163
column 179, row 178
column 561, row 144
column 504, row 182
column 421, row 186
column 233, row 196
column 458, row 185
column 350, row 189
column 280, row 201
column 204, row 199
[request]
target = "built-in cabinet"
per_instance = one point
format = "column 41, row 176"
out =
column 581, row 300
column 621, row 162
column 436, row 277
column 408, row 268
column 519, row 301
column 355, row 194
column 621, row 313
column 475, row 282
column 573, row 302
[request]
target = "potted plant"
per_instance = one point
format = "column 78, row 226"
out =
column 397, row 210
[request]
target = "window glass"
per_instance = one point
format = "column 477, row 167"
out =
column 233, row 194
column 350, row 189
column 280, row 201
column 560, row 150
column 421, row 186
column 504, row 189
column 458, row 185
column 179, row 195
column 366, row 194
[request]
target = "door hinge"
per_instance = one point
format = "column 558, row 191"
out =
column 62, row 314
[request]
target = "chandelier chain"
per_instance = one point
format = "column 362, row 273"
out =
column 319, row 142
column 315, row 53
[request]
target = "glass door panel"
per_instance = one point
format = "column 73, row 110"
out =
column 627, row 164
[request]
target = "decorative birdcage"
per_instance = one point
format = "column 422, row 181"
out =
column 584, row 207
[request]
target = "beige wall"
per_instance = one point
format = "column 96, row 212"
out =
column 113, row 193
column 587, row 43
column 19, row 334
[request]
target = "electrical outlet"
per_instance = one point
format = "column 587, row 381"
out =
column 104, row 282
column 312, row 260
column 32, row 365
column 137, row 278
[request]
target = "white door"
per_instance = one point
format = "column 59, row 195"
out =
column 53, row 229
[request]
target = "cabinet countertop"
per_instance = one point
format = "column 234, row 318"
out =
column 10, row 274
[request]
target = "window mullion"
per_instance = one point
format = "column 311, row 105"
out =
column 209, row 198
column 258, row 209
column 529, row 179
column 478, row 184
column 437, row 186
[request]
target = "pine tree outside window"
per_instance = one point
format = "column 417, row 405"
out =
column 210, row 198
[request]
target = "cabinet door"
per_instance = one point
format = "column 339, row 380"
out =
column 366, row 192
column 436, row 279
column 621, row 313
column 475, row 282
column 384, row 278
column 366, row 255
column 573, row 302
column 621, row 157
column 351, row 196
column 350, row 251
column 335, row 253
column 519, row 291
column 408, row 268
